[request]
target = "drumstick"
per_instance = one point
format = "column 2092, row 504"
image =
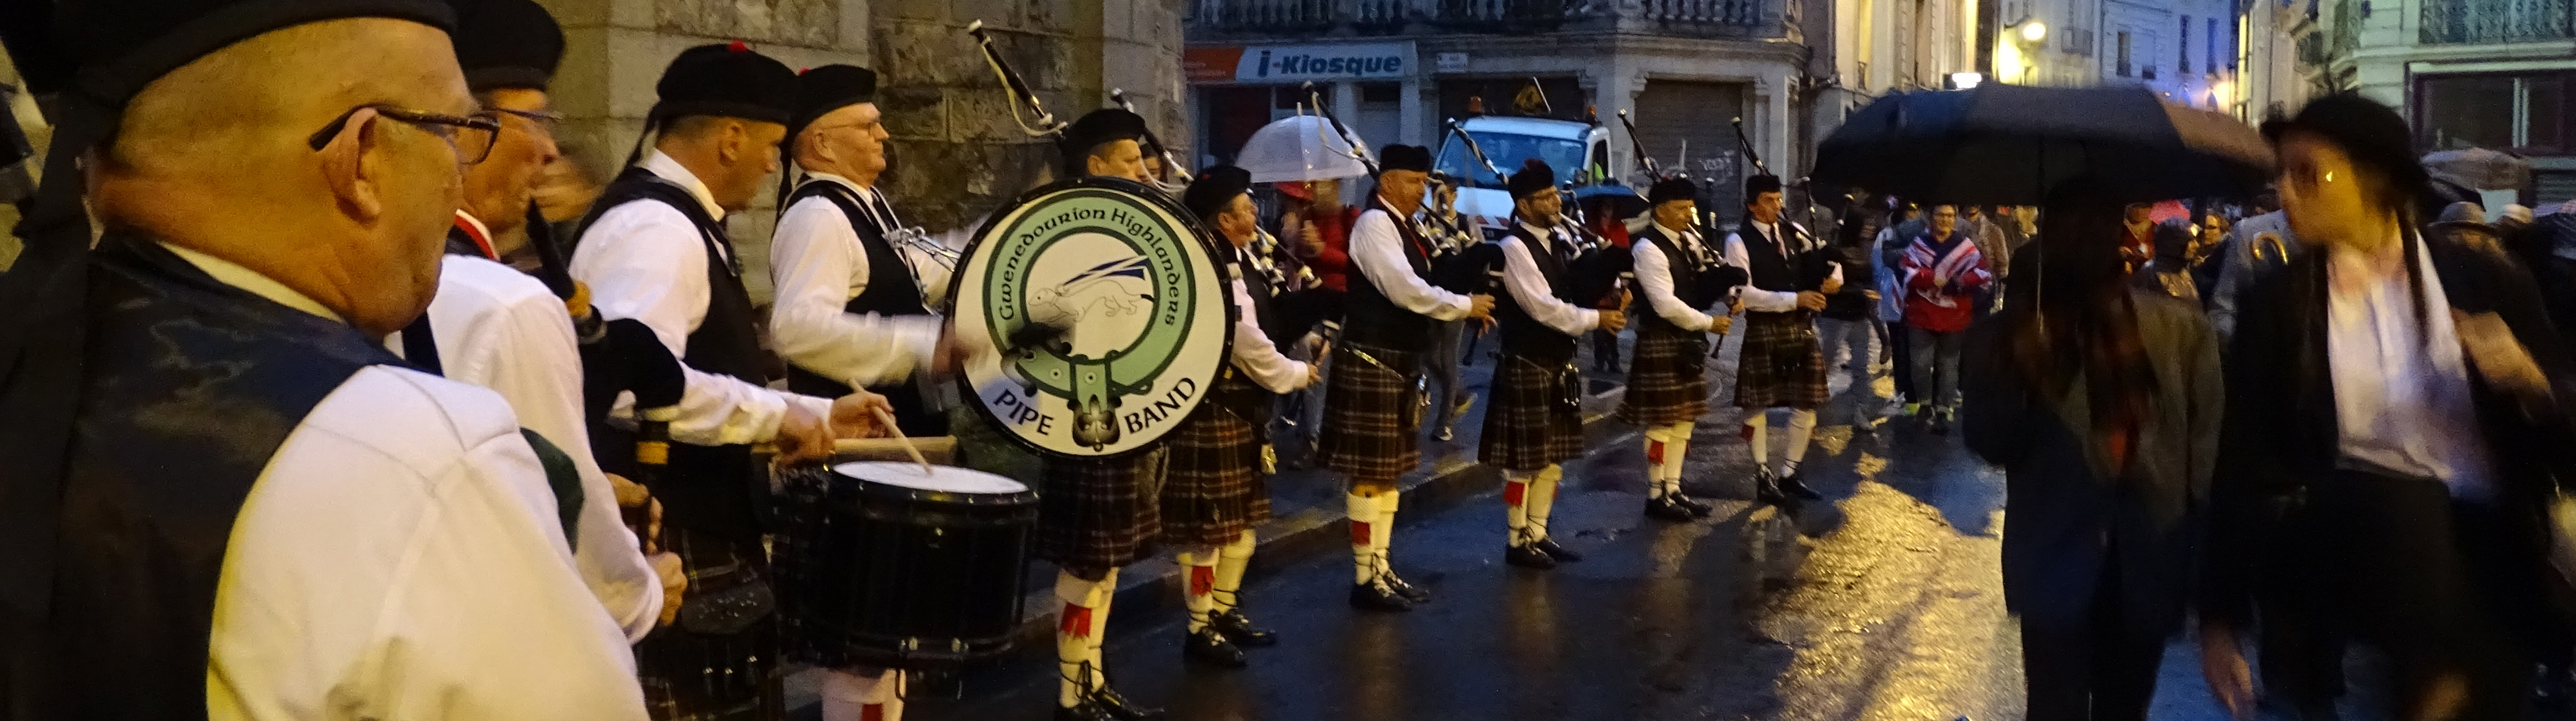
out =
column 899, row 437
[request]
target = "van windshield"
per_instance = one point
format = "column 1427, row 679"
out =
column 1508, row 150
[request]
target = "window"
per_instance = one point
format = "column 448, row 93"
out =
column 2123, row 67
column 2523, row 112
column 2182, row 63
column 2210, row 62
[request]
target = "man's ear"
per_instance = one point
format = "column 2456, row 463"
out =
column 729, row 146
column 353, row 169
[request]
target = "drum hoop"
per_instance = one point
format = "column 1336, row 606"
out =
column 1199, row 233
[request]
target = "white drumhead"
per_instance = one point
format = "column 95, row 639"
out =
column 948, row 479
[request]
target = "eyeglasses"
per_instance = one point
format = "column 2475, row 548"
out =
column 472, row 137
column 544, row 119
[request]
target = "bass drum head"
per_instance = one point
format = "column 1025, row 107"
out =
column 1142, row 299
column 943, row 479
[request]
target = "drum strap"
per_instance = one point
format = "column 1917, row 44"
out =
column 565, row 480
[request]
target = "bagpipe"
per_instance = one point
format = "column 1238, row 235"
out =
column 1599, row 271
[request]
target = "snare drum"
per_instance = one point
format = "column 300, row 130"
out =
column 883, row 565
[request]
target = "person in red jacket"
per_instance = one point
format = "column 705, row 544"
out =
column 1942, row 273
column 1318, row 227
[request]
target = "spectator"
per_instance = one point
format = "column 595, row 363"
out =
column 1903, row 222
column 1848, row 320
column 1318, row 228
column 2170, row 272
column 1942, row 274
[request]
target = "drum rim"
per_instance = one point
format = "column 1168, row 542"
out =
column 835, row 469
column 1200, row 233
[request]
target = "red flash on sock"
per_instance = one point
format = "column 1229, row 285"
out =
column 1077, row 621
column 1515, row 491
column 872, row 712
column 1748, row 432
column 1655, row 452
column 1202, row 580
column 1359, row 533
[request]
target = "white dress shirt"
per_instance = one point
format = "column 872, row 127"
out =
column 2402, row 399
column 1377, row 250
column 501, row 329
column 645, row 260
column 1529, row 287
column 1655, row 277
column 820, row 263
column 399, row 559
column 1255, row 355
column 1757, row 299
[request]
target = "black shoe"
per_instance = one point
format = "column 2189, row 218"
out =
column 1109, row 700
column 1085, row 711
column 1376, row 596
column 1766, row 489
column 1667, row 509
column 1696, row 508
column 1406, row 589
column 1548, row 546
column 1209, row 646
column 1239, row 629
column 1794, row 487
column 1528, row 556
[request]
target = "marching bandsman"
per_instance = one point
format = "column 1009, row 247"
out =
column 850, row 304
column 1213, row 492
column 1782, row 364
column 653, row 249
column 1535, row 422
column 1372, row 412
column 496, row 327
column 1667, row 380
column 226, row 498
column 1097, row 514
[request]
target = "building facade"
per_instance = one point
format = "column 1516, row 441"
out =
column 2495, row 74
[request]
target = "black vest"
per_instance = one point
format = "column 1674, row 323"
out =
column 1796, row 269
column 189, row 389
column 1372, row 319
column 1688, row 284
column 707, row 489
column 892, row 291
column 1524, row 335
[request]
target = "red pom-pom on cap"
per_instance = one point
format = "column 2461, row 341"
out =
column 739, row 47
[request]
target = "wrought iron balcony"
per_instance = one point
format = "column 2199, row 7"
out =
column 2456, row 22
column 1274, row 18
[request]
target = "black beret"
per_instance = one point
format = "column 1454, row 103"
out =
column 2374, row 135
column 507, row 44
column 831, row 87
column 1755, row 186
column 1533, row 177
column 1672, row 189
column 1216, row 188
column 730, row 81
column 1099, row 127
column 119, row 46
column 1398, row 156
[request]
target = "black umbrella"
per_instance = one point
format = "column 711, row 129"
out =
column 2010, row 144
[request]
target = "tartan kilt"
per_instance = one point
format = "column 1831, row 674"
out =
column 1372, row 414
column 1212, row 489
column 1667, row 377
column 1782, row 364
column 1531, row 422
column 691, row 676
column 1096, row 513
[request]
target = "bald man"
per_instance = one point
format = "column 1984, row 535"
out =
column 262, row 514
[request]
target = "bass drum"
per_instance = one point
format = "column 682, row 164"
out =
column 883, row 565
column 1095, row 316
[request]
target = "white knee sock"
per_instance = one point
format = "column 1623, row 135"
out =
column 1516, row 497
column 849, row 696
column 1676, row 448
column 1542, row 498
column 1086, row 610
column 1755, row 423
column 1198, row 585
column 1802, row 427
column 1385, row 536
column 1658, row 446
column 1231, row 561
column 1365, row 528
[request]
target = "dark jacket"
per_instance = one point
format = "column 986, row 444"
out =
column 2068, row 513
column 2281, row 427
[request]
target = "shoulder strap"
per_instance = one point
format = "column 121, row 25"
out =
column 564, row 479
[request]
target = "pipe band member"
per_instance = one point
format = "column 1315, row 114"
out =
column 1213, row 491
column 1680, row 277
column 1782, row 364
column 1372, row 413
column 1535, row 422
column 654, row 249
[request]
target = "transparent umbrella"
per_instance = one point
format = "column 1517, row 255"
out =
column 1302, row 147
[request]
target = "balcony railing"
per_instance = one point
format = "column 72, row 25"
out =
column 2454, row 22
column 1380, row 17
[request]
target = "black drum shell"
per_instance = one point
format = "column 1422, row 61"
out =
column 883, row 575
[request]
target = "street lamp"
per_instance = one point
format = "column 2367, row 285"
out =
column 2034, row 31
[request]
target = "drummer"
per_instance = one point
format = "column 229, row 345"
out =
column 654, row 249
column 1097, row 514
column 1372, row 415
column 1534, row 423
column 1213, row 492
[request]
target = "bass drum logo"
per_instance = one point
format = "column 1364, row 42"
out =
column 1141, row 300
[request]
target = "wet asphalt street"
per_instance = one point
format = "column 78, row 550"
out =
column 1881, row 602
